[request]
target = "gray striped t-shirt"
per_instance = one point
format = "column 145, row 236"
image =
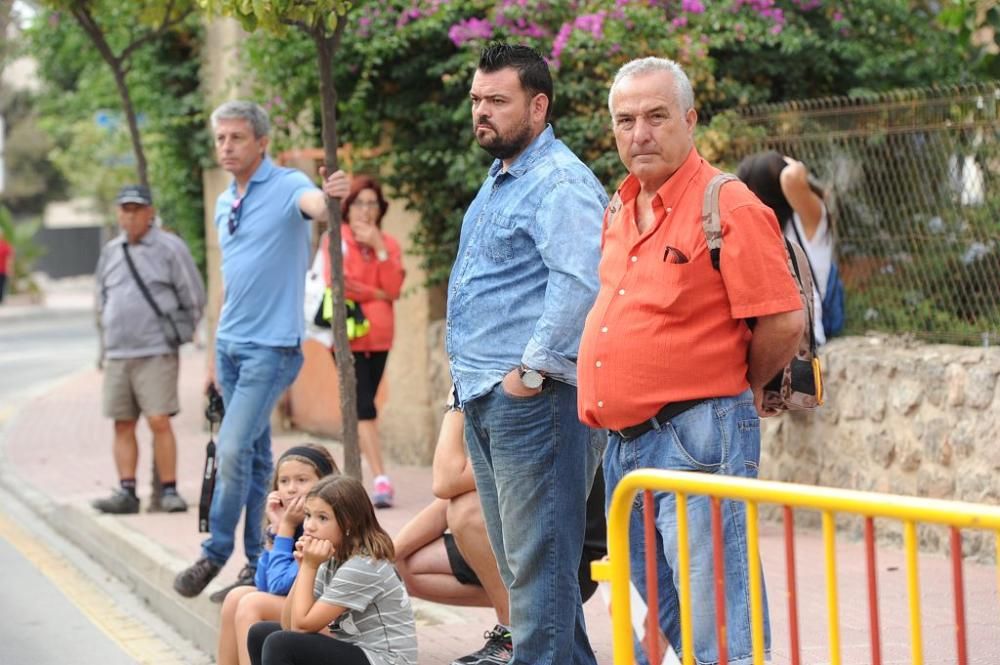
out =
column 379, row 618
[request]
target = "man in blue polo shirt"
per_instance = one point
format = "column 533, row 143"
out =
column 262, row 220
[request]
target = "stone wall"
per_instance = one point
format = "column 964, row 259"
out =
column 903, row 418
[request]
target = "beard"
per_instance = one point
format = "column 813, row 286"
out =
column 504, row 145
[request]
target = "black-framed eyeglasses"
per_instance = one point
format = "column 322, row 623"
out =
column 234, row 215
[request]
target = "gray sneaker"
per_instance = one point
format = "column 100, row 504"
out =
column 171, row 502
column 245, row 578
column 119, row 503
column 192, row 580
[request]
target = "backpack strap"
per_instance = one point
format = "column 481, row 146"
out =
column 711, row 221
column 796, row 257
column 798, row 239
column 711, row 217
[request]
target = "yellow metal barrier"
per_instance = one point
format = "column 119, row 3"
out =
column 828, row 501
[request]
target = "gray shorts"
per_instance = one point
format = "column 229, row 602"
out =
column 134, row 386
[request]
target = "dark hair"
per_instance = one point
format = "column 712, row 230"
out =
column 355, row 515
column 313, row 454
column 532, row 70
column 360, row 183
column 762, row 174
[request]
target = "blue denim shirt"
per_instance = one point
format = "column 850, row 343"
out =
column 526, row 272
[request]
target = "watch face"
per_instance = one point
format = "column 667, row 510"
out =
column 532, row 379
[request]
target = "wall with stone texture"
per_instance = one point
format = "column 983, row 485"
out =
column 900, row 417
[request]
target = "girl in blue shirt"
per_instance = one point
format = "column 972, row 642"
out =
column 296, row 472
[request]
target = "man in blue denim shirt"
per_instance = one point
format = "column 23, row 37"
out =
column 262, row 221
column 524, row 279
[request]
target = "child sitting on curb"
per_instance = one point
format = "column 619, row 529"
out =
column 296, row 473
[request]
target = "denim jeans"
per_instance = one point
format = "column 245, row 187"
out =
column 717, row 436
column 534, row 463
column 252, row 378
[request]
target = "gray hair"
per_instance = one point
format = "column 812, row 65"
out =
column 243, row 110
column 682, row 85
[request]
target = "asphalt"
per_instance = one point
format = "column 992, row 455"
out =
column 55, row 453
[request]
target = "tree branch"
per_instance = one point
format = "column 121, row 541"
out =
column 301, row 25
column 82, row 15
column 150, row 35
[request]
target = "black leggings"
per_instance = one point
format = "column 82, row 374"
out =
column 270, row 645
column 368, row 368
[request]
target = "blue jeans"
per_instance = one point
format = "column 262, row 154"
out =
column 717, row 436
column 534, row 463
column 252, row 378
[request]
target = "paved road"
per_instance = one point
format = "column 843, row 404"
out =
column 57, row 605
column 39, row 346
column 41, row 625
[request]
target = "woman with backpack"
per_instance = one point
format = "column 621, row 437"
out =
column 783, row 184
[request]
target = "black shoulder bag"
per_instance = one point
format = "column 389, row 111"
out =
column 170, row 331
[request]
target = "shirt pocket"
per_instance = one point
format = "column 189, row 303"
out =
column 499, row 238
column 676, row 275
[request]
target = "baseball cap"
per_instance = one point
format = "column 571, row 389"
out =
column 134, row 194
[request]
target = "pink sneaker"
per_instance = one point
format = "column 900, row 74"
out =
column 383, row 495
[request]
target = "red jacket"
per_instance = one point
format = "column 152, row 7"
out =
column 364, row 275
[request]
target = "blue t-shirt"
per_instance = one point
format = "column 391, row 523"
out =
column 265, row 261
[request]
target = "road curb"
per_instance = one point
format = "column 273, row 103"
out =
column 140, row 563
column 145, row 566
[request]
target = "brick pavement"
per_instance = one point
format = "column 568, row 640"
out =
column 59, row 445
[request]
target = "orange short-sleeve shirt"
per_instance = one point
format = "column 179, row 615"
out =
column 666, row 326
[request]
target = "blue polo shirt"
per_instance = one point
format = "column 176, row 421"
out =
column 265, row 261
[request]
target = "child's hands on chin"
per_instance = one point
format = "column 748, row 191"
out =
column 295, row 512
column 299, row 546
column 316, row 551
column 274, row 509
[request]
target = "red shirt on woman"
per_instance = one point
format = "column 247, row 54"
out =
column 364, row 277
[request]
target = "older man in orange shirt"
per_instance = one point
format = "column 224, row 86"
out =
column 667, row 362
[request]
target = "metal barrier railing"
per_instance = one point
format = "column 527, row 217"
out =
column 829, row 501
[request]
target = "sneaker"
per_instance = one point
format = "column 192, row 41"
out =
column 172, row 502
column 383, row 495
column 192, row 580
column 245, row 578
column 119, row 503
column 498, row 650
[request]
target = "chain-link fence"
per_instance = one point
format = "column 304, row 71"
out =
column 912, row 181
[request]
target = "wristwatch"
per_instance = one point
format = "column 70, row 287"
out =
column 532, row 379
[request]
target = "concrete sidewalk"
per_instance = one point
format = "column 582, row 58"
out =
column 57, row 455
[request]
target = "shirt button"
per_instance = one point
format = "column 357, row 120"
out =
column 600, row 405
column 598, row 363
column 604, row 329
column 621, row 292
column 669, row 210
column 634, row 259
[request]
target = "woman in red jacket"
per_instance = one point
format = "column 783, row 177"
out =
column 373, row 277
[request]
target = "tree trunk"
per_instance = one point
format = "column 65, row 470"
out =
column 326, row 48
column 117, row 64
column 6, row 14
column 133, row 123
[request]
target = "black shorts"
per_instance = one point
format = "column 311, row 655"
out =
column 368, row 366
column 459, row 567
column 594, row 545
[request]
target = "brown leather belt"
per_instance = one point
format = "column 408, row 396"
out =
column 662, row 417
